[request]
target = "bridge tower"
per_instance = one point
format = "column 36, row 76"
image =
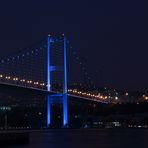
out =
column 61, row 95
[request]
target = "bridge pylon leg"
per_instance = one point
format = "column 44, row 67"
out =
column 65, row 111
column 48, row 111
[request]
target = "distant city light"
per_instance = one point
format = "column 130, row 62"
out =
column 116, row 98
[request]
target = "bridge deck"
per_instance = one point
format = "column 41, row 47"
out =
column 5, row 87
column 13, row 87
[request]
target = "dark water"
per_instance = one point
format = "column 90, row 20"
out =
column 103, row 138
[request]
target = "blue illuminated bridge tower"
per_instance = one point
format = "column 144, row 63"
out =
column 57, row 71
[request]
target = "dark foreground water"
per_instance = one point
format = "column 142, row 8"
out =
column 103, row 138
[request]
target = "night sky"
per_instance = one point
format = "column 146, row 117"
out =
column 111, row 37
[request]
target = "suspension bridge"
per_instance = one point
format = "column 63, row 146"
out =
column 44, row 68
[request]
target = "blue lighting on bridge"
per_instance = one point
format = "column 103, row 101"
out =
column 65, row 105
column 48, row 111
column 65, row 66
column 48, row 64
column 65, row 111
column 62, row 95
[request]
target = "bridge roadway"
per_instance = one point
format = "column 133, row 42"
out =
column 32, row 90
